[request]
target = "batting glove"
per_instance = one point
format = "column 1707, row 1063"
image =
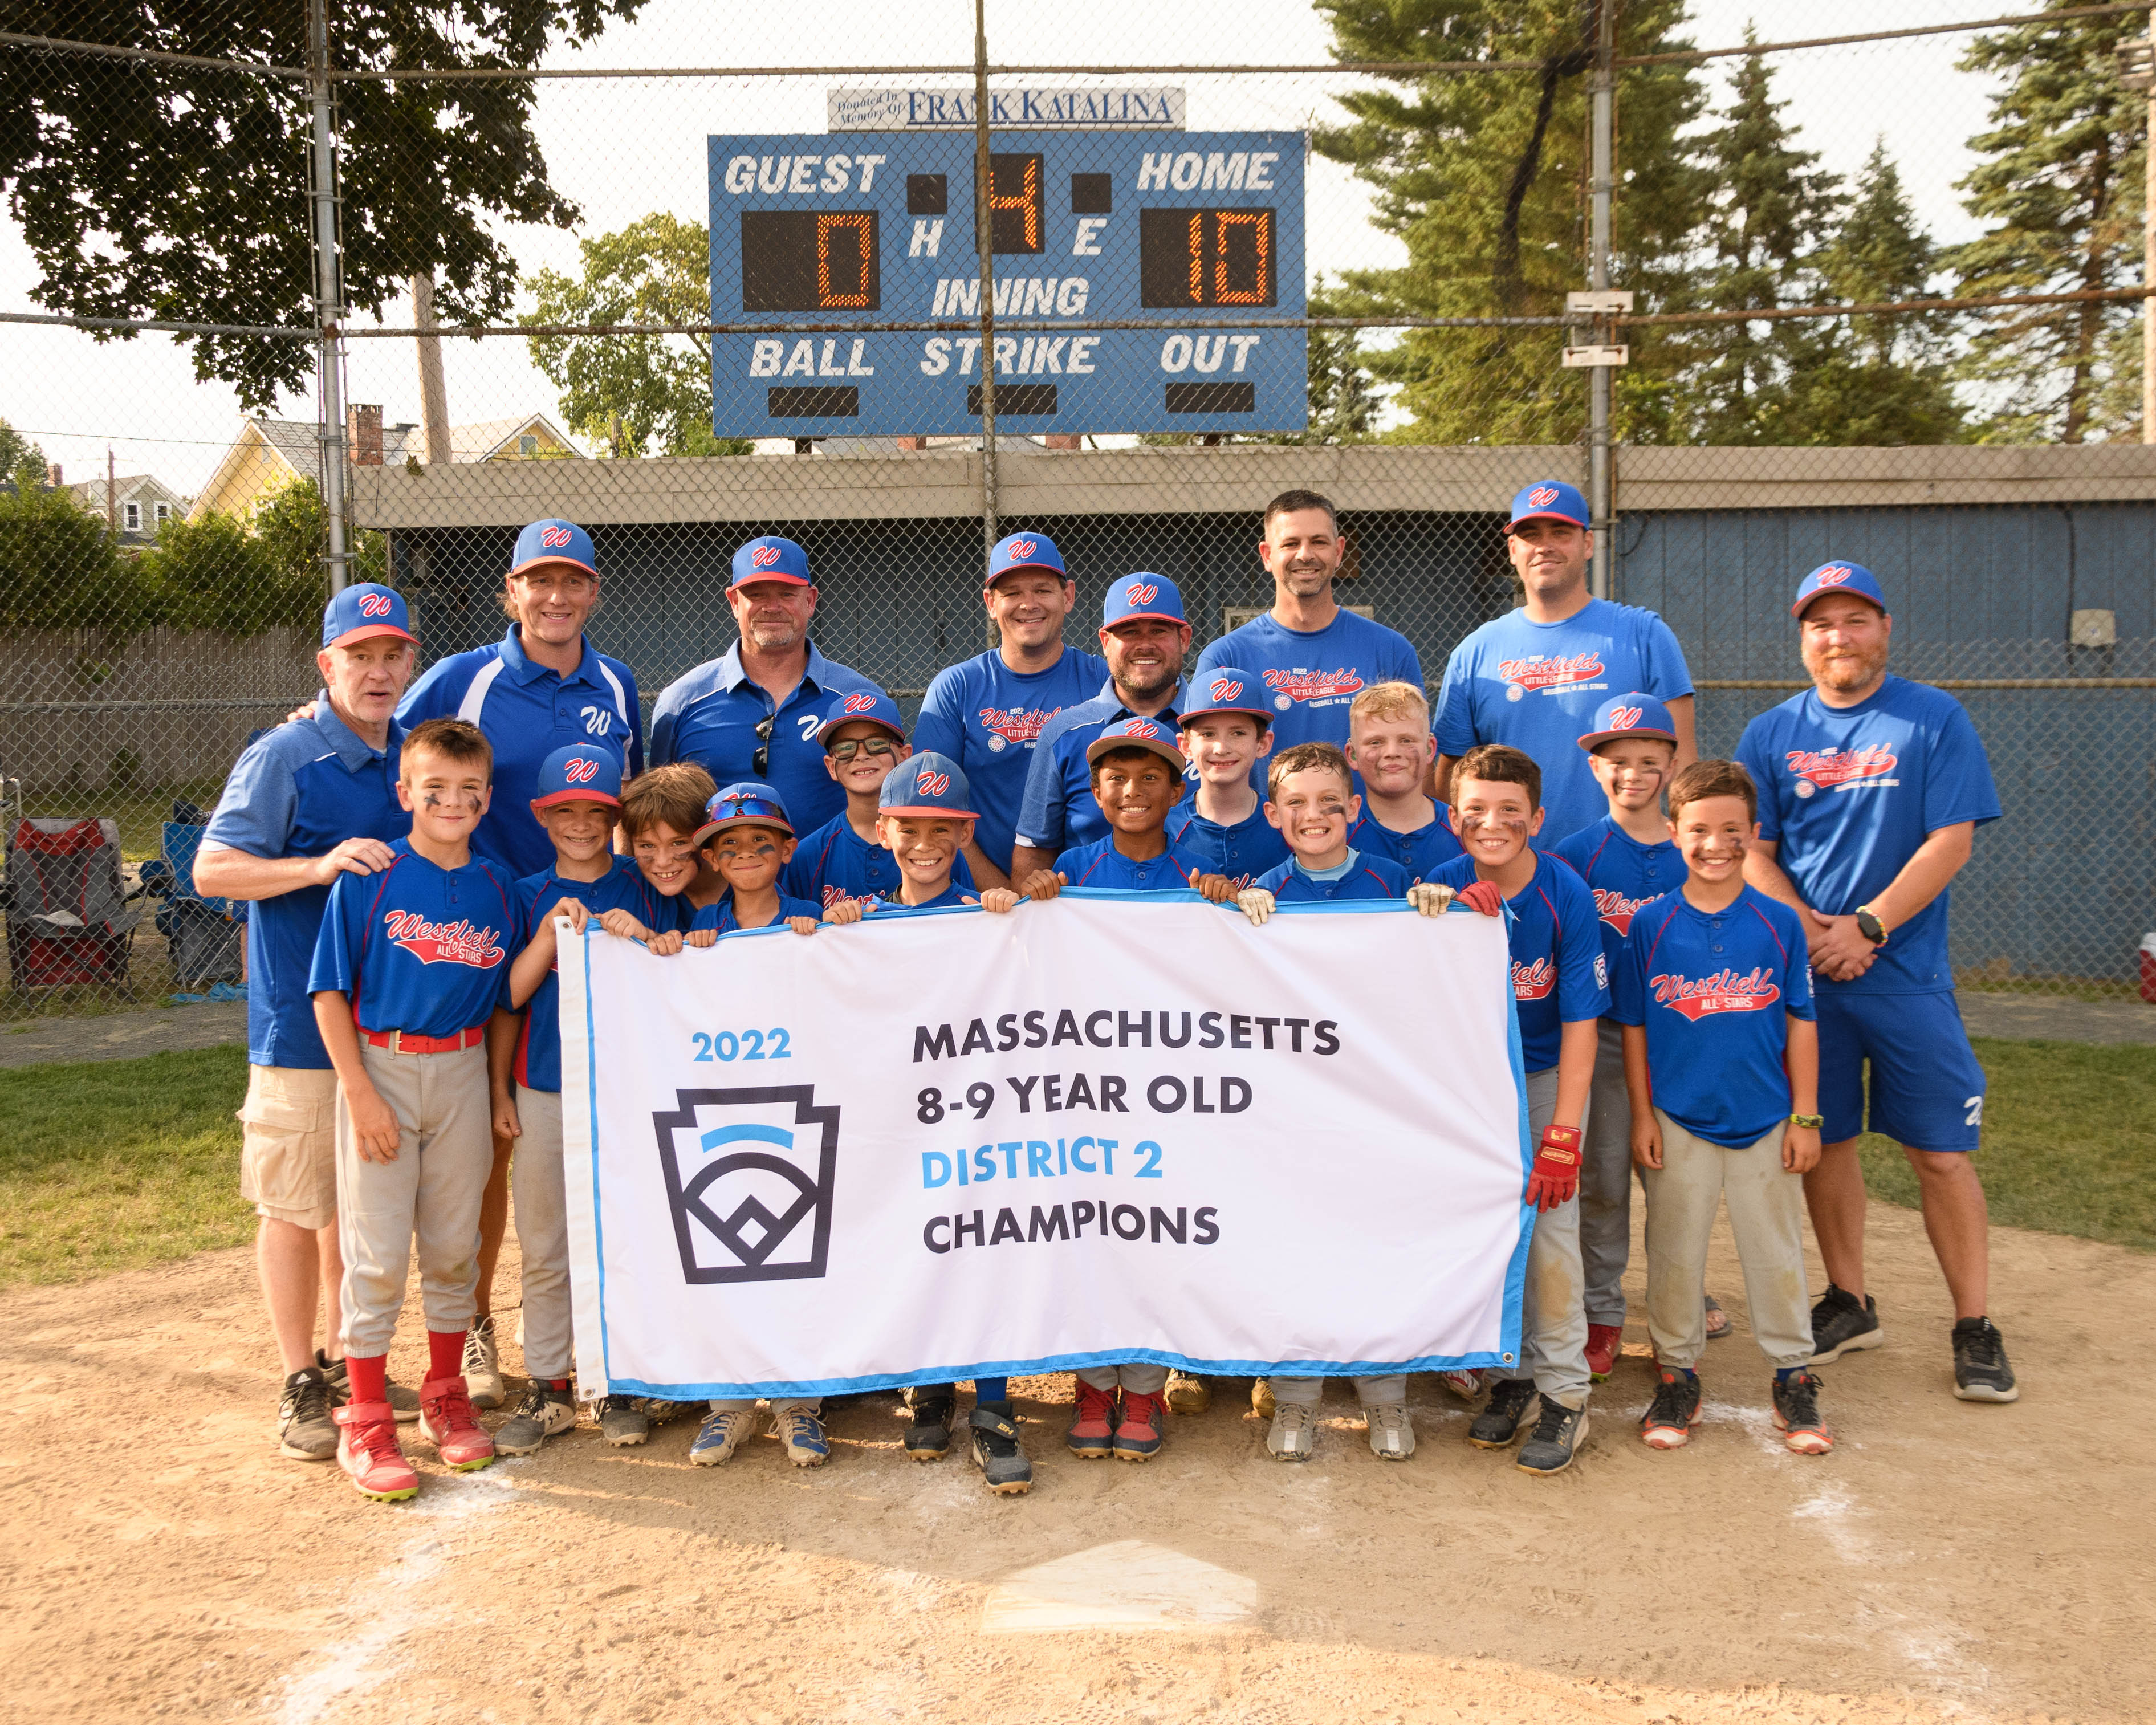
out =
column 1256, row 903
column 1484, row 896
column 1428, row 898
column 1554, row 1179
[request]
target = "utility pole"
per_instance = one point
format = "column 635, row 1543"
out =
column 984, row 225
column 112, row 493
column 329, row 290
column 434, row 396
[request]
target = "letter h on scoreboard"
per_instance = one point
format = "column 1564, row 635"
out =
column 749, row 1177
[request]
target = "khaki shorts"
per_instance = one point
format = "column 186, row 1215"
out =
column 288, row 1145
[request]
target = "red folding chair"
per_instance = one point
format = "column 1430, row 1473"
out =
column 66, row 901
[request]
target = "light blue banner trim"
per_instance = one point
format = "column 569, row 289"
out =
column 592, row 1090
column 1516, row 1273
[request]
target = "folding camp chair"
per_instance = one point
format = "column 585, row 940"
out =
column 205, row 937
column 66, row 903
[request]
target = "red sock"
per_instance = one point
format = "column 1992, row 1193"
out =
column 369, row 1377
column 445, row 1352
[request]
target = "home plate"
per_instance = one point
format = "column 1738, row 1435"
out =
column 1128, row 1585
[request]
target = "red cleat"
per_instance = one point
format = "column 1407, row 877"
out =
column 1093, row 1432
column 368, row 1450
column 1137, row 1435
column 1602, row 1340
column 446, row 1421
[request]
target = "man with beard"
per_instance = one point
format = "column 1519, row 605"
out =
column 1871, row 791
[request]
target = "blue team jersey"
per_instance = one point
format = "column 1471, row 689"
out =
column 1559, row 974
column 835, row 862
column 1536, row 686
column 954, row 896
column 300, row 791
column 1420, row 852
column 1624, row 874
column 528, row 711
column 539, row 1045
column 1059, row 811
column 719, row 914
column 989, row 718
column 710, row 716
column 417, row 946
column 1368, row 877
column 1312, row 677
column 1104, row 868
column 1241, row 852
column 1716, row 991
column 1849, row 794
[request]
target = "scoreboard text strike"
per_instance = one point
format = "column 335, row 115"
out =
column 878, row 226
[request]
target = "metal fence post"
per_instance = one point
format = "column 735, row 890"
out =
column 1602, row 95
column 984, row 222
column 329, row 290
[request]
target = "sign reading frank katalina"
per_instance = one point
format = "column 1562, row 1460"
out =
column 945, row 1144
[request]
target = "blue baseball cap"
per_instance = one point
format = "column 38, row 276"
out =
column 554, row 541
column 745, row 805
column 581, row 772
column 1634, row 715
column 1131, row 597
column 856, row 704
column 929, row 783
column 1018, row 551
column 368, row 609
column 1549, row 501
column 1136, row 734
column 1226, row 690
column 770, row 558
column 1839, row 577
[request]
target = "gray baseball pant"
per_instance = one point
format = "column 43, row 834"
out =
column 1371, row 1392
column 542, row 1233
column 1605, row 1181
column 1553, row 1315
column 1138, row 1379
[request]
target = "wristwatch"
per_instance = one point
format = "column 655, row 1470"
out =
column 1814, row 1121
column 1870, row 927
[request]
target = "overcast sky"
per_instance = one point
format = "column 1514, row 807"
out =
column 621, row 150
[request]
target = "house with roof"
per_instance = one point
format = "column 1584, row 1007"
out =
column 139, row 505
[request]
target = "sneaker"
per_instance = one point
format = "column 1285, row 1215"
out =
column 1466, row 1385
column 404, row 1400
column 1093, row 1432
column 1293, row 1435
column 723, row 1431
column 1392, row 1432
column 1796, row 1414
column 1499, row 1423
column 1557, row 1436
column 544, row 1413
column 1187, row 1395
column 1981, row 1374
column 1842, row 1324
column 446, row 1421
column 482, row 1367
column 997, row 1451
column 1261, row 1397
column 622, row 1421
column 306, row 1432
column 802, row 1432
column 1669, row 1419
column 1602, row 1340
column 928, row 1435
column 1137, row 1432
column 368, row 1450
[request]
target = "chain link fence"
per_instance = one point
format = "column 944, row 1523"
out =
column 685, row 307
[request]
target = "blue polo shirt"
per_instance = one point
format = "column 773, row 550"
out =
column 539, row 1045
column 1242, row 852
column 1059, row 812
column 988, row 718
column 528, row 711
column 710, row 716
column 1312, row 677
column 1716, row 991
column 300, row 791
column 420, row 948
column 1427, row 848
column 1559, row 974
column 1624, row 874
column 1104, row 868
column 1359, row 877
column 835, row 862
column 719, row 914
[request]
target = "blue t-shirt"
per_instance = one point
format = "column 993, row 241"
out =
column 1535, row 686
column 1364, row 877
column 1623, row 874
column 1104, row 868
column 1241, row 852
column 1420, row 852
column 988, row 718
column 539, row 1045
column 1060, row 811
column 1716, row 991
column 719, row 914
column 955, row 895
column 1313, row 676
column 528, row 711
column 300, row 791
column 710, row 716
column 835, row 862
column 420, row 948
column 1559, row 974
column 1849, row 794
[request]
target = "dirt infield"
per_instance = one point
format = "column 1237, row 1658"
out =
column 1946, row 1560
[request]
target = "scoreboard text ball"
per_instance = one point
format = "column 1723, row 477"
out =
column 827, row 228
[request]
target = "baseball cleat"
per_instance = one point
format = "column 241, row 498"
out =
column 803, row 1434
column 1602, row 1340
column 723, row 1432
column 369, row 1452
column 446, row 1421
column 1557, row 1436
column 997, row 1450
column 1187, row 1395
column 1981, row 1374
column 543, row 1413
column 1093, row 1432
column 306, row 1431
column 1138, row 1433
column 404, row 1400
column 1293, row 1435
column 482, row 1367
column 622, row 1421
column 1392, row 1432
column 1796, row 1414
column 1841, row 1324
column 928, row 1434
column 1499, row 1423
column 1466, row 1385
column 1669, row 1419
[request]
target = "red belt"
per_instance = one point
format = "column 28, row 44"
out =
column 411, row 1043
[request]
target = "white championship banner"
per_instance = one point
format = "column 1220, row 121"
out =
column 1107, row 1128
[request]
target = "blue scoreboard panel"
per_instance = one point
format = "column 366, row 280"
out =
column 878, row 226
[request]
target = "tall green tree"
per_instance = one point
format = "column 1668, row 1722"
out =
column 60, row 570
column 2060, row 188
column 20, row 459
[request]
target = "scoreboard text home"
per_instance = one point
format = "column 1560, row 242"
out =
column 1087, row 227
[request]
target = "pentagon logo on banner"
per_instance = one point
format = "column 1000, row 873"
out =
column 749, row 1176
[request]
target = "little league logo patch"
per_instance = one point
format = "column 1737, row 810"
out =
column 749, row 1176
column 553, row 538
column 1725, row 991
column 443, row 942
column 764, row 556
column 1299, row 685
column 374, row 604
column 1007, row 725
column 1533, row 982
column 1141, row 592
column 932, row 784
column 1617, row 910
column 1528, row 675
column 1542, row 496
column 1842, row 769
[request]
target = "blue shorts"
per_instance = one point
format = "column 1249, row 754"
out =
column 1926, row 1088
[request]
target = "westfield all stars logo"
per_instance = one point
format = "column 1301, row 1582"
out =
column 580, row 770
column 553, row 538
column 764, row 556
column 1533, row 982
column 1617, row 910
column 931, row 784
column 1725, row 991
column 1840, row 766
column 374, row 604
column 1141, row 592
column 443, row 942
column 1551, row 673
column 1021, row 549
column 1014, row 726
column 1542, row 496
column 1312, row 685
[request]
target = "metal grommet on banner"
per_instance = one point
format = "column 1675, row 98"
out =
column 1507, row 1358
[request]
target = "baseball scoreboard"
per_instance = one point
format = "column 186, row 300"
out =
column 877, row 226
